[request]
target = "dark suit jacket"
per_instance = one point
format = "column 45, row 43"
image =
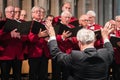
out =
column 90, row 64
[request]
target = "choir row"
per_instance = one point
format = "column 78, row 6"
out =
column 15, row 46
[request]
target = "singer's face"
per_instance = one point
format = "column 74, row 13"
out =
column 65, row 19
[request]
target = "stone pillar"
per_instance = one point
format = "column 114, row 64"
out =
column 16, row 3
column 43, row 3
column 1, row 6
column 81, row 7
column 100, row 12
column 26, row 5
column 108, row 10
column 96, row 10
column 55, row 7
column 9, row 2
column 36, row 2
column 73, row 6
column 118, row 7
column 13, row 3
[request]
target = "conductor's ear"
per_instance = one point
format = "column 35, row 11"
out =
column 79, row 43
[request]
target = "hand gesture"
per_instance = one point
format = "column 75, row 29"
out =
column 15, row 34
column 42, row 33
column 50, row 29
column 108, row 28
column 66, row 34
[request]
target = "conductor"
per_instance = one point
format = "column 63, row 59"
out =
column 88, row 63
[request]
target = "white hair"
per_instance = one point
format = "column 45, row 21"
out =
column 66, row 12
column 33, row 9
column 92, row 13
column 86, row 36
column 117, row 17
column 8, row 7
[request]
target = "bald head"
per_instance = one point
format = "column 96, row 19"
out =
column 83, row 20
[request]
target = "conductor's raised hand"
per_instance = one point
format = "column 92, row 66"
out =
column 50, row 29
column 108, row 28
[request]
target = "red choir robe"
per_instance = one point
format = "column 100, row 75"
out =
column 99, row 42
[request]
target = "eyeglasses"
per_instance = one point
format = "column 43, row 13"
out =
column 86, row 20
column 17, row 11
column 117, row 20
column 10, row 11
column 39, row 12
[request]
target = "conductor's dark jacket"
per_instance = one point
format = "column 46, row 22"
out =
column 90, row 64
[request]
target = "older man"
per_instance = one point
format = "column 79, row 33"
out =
column 23, row 15
column 38, row 51
column 116, row 63
column 89, row 63
column 12, row 55
column 66, row 6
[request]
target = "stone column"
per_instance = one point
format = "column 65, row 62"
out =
column 81, row 7
column 43, row 3
column 9, row 2
column 26, row 5
column 55, row 7
column 16, row 3
column 1, row 6
column 36, row 2
column 118, row 7
column 13, row 3
column 108, row 10
column 96, row 10
column 100, row 11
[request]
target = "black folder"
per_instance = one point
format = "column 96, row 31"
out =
column 36, row 26
column 98, row 34
column 74, row 31
column 2, row 23
column 22, row 27
column 59, row 29
column 114, row 41
column 75, row 23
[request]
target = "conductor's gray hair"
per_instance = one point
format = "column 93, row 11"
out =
column 86, row 36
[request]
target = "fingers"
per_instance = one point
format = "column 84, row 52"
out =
column 48, row 24
column 106, row 25
column 109, row 27
column 15, row 30
column 15, row 34
column 40, row 30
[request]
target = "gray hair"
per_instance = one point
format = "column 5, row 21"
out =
column 8, row 7
column 117, row 17
column 86, row 36
column 33, row 9
column 92, row 13
column 66, row 12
